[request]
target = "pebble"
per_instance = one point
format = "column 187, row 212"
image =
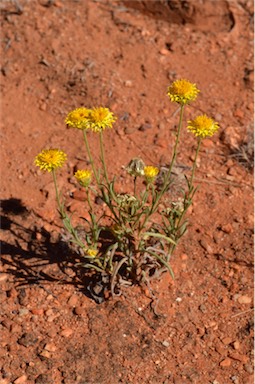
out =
column 248, row 368
column 226, row 340
column 37, row 311
column 72, row 301
column 238, row 357
column 206, row 246
column 80, row 195
column 66, row 332
column 20, row 380
column 227, row 228
column 244, row 299
column 236, row 344
column 128, row 83
column 28, row 339
column 78, row 311
column 3, row 277
column 50, row 347
column 166, row 343
column 46, row 354
column 231, row 137
column 225, row 363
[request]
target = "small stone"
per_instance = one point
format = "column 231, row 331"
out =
column 166, row 343
column 3, row 277
column 236, row 344
column 244, row 299
column 225, row 363
column 226, row 340
column 37, row 311
column 20, row 380
column 227, row 228
column 72, row 301
column 206, row 246
column 43, row 379
column 66, row 332
column 28, row 339
column 128, row 83
column 248, row 368
column 164, row 52
column 239, row 113
column 202, row 308
column 50, row 347
column 78, row 311
column 238, row 357
column 46, row 354
column 80, row 195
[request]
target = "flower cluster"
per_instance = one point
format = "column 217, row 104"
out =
column 50, row 159
column 96, row 119
column 182, row 92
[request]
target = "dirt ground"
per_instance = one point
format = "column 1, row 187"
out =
column 57, row 55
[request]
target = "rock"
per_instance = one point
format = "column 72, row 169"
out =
column 72, row 301
column 28, row 339
column 206, row 246
column 20, row 380
column 43, row 379
column 66, row 332
column 225, row 363
column 50, row 347
column 46, row 354
column 231, row 137
column 227, row 228
column 226, row 340
column 166, row 343
column 236, row 344
column 3, row 277
column 244, row 299
column 248, row 368
column 239, row 357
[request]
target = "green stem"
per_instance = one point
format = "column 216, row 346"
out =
column 57, row 194
column 168, row 176
column 194, row 164
column 103, row 157
column 90, row 156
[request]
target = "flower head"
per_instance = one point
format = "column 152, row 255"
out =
column 78, row 118
column 91, row 252
column 182, row 91
column 203, row 126
column 136, row 167
column 83, row 176
column 150, row 173
column 100, row 118
column 50, row 159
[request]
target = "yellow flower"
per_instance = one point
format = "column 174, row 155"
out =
column 78, row 118
column 182, row 91
column 83, row 176
column 203, row 126
column 50, row 159
column 150, row 173
column 100, row 118
column 91, row 252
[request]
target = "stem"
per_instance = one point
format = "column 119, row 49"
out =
column 168, row 176
column 103, row 157
column 195, row 164
column 57, row 194
column 90, row 156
